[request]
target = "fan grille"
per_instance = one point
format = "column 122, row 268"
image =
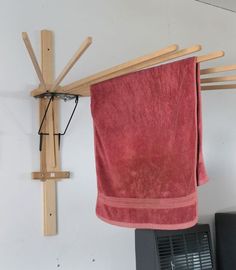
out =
column 185, row 251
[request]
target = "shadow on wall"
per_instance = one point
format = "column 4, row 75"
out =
column 226, row 5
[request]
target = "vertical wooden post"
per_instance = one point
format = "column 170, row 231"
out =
column 50, row 171
column 50, row 164
column 49, row 156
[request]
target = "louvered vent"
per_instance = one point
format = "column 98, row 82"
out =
column 185, row 251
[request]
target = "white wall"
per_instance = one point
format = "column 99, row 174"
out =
column 121, row 30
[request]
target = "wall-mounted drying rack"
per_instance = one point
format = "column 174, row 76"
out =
column 50, row 136
column 50, row 92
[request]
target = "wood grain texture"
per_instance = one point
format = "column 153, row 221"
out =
column 119, row 69
column 218, row 69
column 210, row 56
column 49, row 144
column 82, row 87
column 50, row 175
column 218, row 87
column 72, row 62
column 219, row 79
column 34, row 59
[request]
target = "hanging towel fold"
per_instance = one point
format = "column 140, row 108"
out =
column 148, row 146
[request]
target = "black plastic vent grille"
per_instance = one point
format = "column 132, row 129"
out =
column 185, row 251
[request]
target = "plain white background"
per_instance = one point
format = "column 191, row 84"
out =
column 121, row 30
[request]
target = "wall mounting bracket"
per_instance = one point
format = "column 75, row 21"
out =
column 51, row 97
column 49, row 101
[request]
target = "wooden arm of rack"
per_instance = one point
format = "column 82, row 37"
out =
column 33, row 59
column 210, row 56
column 219, row 79
column 83, row 89
column 218, row 87
column 131, row 66
column 218, row 69
column 117, row 68
column 72, row 62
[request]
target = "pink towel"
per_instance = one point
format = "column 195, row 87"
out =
column 148, row 146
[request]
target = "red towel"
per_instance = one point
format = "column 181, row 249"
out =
column 148, row 146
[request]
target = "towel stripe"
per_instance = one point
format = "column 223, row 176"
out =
column 158, row 203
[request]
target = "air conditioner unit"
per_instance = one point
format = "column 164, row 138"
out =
column 174, row 250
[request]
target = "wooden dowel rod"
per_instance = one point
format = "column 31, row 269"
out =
column 218, row 87
column 210, row 56
column 167, row 50
column 33, row 59
column 152, row 62
column 124, row 69
column 72, row 62
column 219, row 79
column 84, row 89
column 85, row 92
column 218, row 69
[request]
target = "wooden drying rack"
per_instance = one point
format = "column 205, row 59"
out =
column 50, row 167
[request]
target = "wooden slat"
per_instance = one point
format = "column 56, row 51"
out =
column 125, row 66
column 218, row 79
column 50, row 175
column 49, row 187
column 128, row 67
column 51, row 137
column 218, row 87
column 72, row 62
column 85, row 92
column 83, row 87
column 210, row 56
column 218, row 69
column 33, row 59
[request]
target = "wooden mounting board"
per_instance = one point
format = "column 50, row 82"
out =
column 49, row 156
column 50, row 175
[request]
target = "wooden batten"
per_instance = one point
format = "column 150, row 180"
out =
column 50, row 175
column 34, row 59
column 218, row 69
column 118, row 68
column 82, row 87
column 218, row 87
column 122, row 69
column 219, row 79
column 49, row 147
column 71, row 63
